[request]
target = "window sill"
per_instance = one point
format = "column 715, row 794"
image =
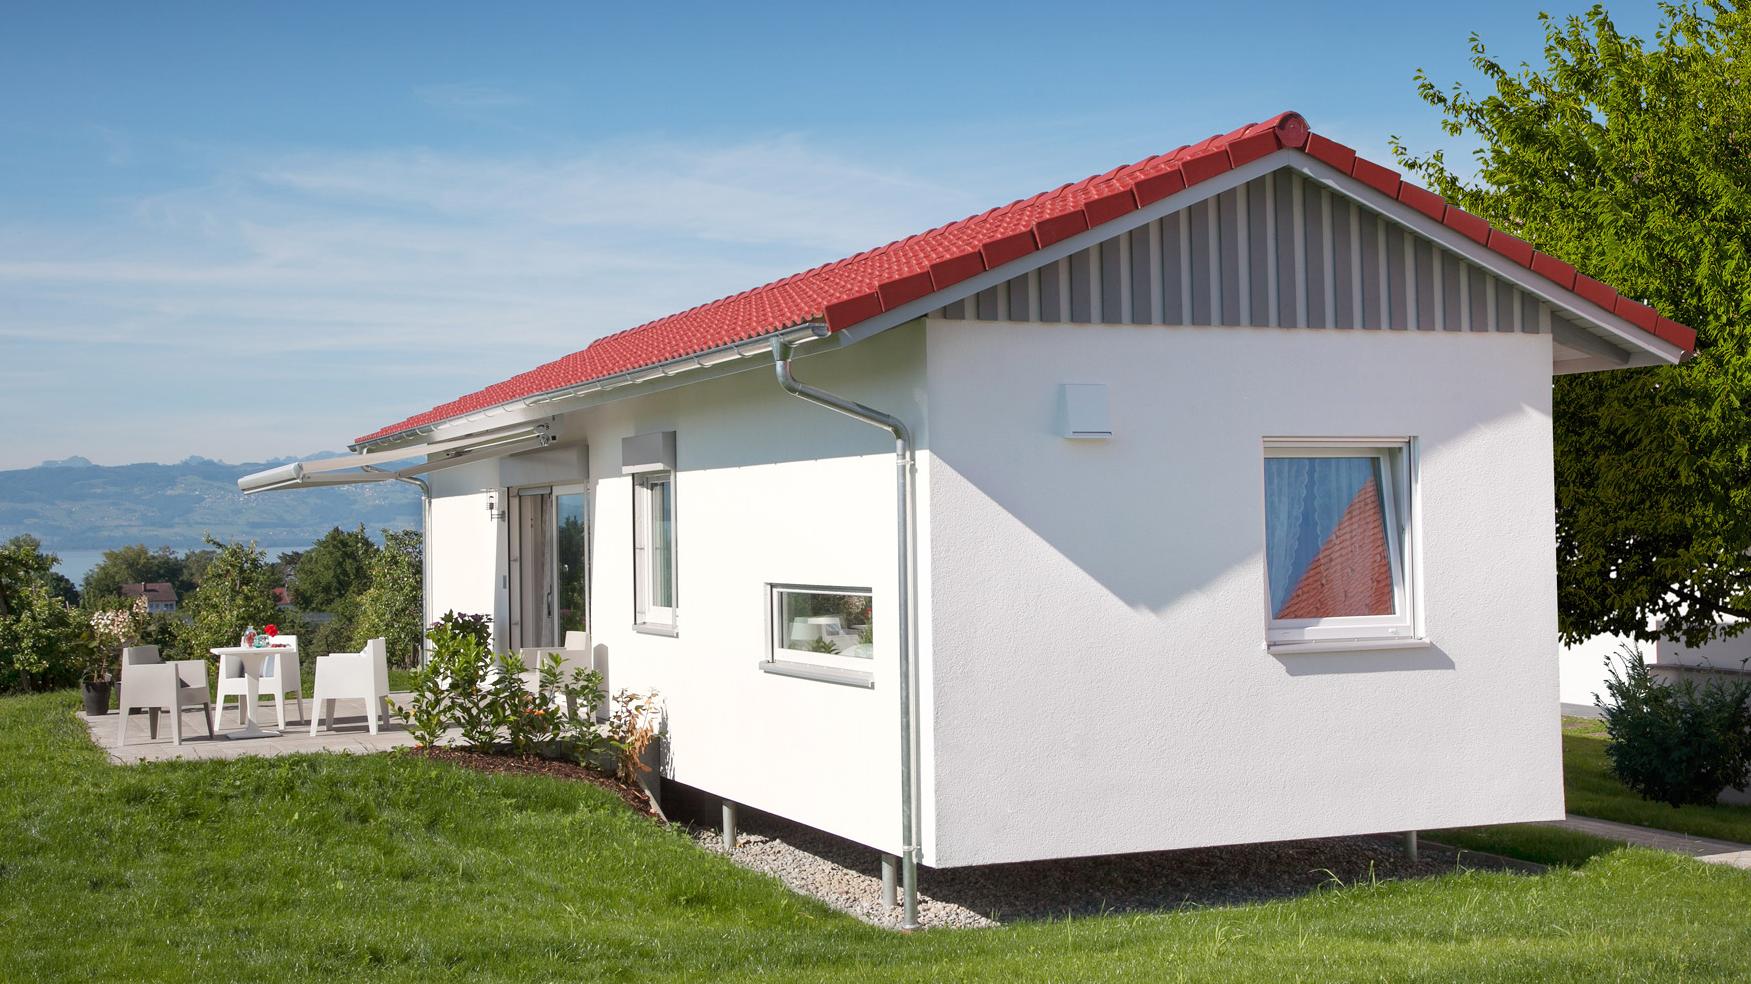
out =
column 655, row 628
column 1343, row 646
column 823, row 674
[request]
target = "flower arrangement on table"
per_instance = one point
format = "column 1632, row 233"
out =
column 263, row 639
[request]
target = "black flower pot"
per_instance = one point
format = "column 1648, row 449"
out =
column 96, row 697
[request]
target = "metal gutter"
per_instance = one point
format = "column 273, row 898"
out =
column 757, row 346
column 905, row 520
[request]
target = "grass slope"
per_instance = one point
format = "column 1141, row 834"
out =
column 335, row 868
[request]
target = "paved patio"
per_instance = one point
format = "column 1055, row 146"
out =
column 350, row 734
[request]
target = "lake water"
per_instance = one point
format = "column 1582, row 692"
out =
column 75, row 564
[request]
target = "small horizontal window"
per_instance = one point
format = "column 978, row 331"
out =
column 829, row 626
column 1337, row 541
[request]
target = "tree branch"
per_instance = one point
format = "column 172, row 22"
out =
column 1700, row 601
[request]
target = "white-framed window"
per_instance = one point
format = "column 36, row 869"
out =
column 1339, row 541
column 822, row 625
column 653, row 541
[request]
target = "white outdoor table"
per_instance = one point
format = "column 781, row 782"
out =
column 252, row 660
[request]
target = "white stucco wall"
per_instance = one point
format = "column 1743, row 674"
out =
column 1098, row 680
column 769, row 489
column 467, row 546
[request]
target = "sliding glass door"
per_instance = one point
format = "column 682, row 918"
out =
column 549, row 564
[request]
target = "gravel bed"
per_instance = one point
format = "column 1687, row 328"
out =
column 847, row 876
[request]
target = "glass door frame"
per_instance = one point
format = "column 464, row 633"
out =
column 581, row 489
column 517, row 635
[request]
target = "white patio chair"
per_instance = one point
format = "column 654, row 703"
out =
column 361, row 675
column 574, row 655
column 149, row 682
column 280, row 676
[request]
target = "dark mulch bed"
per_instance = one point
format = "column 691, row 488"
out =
column 535, row 765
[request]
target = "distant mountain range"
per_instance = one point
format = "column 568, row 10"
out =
column 72, row 504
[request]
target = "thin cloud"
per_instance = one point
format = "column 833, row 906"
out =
column 467, row 96
column 390, row 281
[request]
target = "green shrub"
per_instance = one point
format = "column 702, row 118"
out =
column 391, row 607
column 43, row 641
column 1676, row 743
column 465, row 686
column 336, row 634
column 236, row 591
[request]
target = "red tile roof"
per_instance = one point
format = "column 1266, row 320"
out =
column 859, row 287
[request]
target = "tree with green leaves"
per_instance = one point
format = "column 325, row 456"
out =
column 136, row 564
column 22, row 564
column 1631, row 160
column 392, row 607
column 41, row 641
column 40, row 633
column 336, row 567
column 236, row 592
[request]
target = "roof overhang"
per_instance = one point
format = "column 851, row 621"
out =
column 709, row 364
column 401, row 464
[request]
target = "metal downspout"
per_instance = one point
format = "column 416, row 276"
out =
column 425, row 557
column 905, row 519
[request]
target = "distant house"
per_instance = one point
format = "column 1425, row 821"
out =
column 160, row 595
column 282, row 597
column 1209, row 502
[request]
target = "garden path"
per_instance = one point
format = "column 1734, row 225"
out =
column 1701, row 848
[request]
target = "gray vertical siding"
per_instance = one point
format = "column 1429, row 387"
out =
column 1175, row 306
column 1277, row 251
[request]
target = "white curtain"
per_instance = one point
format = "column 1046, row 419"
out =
column 1304, row 500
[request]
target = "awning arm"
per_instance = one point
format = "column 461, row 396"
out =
column 356, row 469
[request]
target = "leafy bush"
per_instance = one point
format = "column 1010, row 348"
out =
column 631, row 729
column 336, row 635
column 42, row 641
column 1676, row 743
column 237, row 591
column 111, row 629
column 465, row 686
column 391, row 607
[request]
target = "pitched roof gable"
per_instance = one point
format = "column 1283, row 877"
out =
column 852, row 290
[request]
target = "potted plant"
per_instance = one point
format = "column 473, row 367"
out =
column 110, row 631
column 96, row 673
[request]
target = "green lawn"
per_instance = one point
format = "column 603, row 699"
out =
column 340, row 868
column 1594, row 792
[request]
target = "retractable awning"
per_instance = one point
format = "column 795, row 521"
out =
column 397, row 464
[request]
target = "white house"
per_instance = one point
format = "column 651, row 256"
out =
column 1584, row 671
column 160, row 595
column 1205, row 501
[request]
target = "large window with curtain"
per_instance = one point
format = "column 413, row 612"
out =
column 1338, row 540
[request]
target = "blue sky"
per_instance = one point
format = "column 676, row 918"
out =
column 251, row 230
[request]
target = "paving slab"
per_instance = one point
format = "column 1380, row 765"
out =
column 1706, row 849
column 349, row 733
